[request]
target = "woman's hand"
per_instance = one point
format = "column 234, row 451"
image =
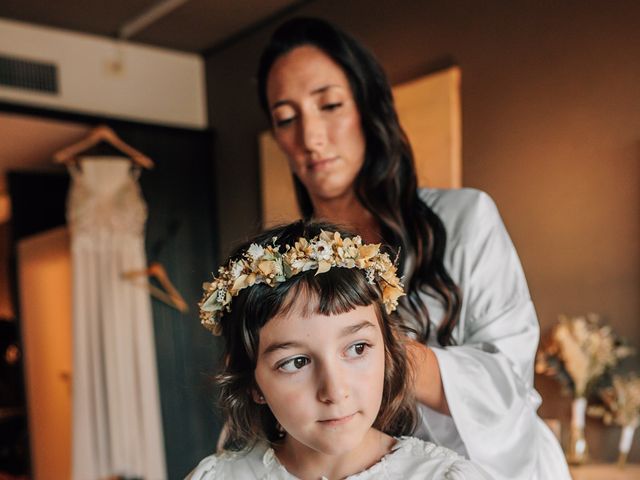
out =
column 428, row 387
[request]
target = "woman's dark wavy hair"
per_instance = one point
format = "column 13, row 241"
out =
column 386, row 184
column 336, row 291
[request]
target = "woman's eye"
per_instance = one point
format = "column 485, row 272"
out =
column 294, row 364
column 284, row 122
column 357, row 349
column 331, row 106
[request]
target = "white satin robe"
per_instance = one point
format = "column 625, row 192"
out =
column 488, row 375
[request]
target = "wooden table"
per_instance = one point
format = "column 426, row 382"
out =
column 606, row 472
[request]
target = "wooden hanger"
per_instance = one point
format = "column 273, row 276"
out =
column 169, row 295
column 101, row 133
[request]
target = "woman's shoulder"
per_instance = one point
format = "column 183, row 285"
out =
column 227, row 465
column 464, row 212
column 415, row 458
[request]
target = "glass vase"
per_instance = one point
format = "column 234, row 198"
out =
column 626, row 439
column 577, row 451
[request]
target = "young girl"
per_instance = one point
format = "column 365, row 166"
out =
column 315, row 382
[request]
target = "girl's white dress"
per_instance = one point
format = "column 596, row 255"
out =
column 488, row 374
column 410, row 459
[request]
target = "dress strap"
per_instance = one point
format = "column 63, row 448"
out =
column 74, row 170
column 136, row 170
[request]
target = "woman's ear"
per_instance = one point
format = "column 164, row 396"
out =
column 257, row 396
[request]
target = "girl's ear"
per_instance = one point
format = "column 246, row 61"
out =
column 257, row 396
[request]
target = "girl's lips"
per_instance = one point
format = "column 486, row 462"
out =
column 334, row 422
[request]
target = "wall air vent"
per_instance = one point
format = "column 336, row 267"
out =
column 20, row 73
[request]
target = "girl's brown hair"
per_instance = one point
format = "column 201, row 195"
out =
column 336, row 291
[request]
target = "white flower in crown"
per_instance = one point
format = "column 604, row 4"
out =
column 303, row 264
column 265, row 264
column 323, row 250
column 371, row 274
column 255, row 251
column 236, row 269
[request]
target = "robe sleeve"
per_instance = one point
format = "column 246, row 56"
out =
column 488, row 376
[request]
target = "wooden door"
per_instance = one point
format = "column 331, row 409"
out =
column 44, row 272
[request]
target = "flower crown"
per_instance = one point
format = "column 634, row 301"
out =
column 265, row 264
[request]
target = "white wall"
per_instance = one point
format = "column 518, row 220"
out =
column 151, row 85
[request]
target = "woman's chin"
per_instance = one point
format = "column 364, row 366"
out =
column 329, row 192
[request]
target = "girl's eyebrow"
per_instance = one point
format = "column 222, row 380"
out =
column 350, row 330
column 356, row 328
column 317, row 91
column 280, row 346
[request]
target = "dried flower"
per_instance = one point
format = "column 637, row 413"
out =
column 579, row 351
column 620, row 402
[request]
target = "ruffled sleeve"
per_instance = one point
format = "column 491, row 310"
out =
column 259, row 462
column 488, row 375
column 414, row 459
column 231, row 465
column 206, row 469
column 465, row 470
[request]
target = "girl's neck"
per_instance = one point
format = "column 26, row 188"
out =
column 305, row 463
column 349, row 212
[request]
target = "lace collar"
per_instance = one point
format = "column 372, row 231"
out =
column 274, row 470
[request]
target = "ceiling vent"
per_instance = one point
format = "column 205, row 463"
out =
column 54, row 69
column 35, row 76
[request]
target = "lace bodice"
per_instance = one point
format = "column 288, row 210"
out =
column 105, row 197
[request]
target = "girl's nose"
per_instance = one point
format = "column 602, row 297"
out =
column 333, row 385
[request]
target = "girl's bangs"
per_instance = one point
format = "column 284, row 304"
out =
column 337, row 291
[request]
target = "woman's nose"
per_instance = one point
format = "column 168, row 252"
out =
column 314, row 134
column 333, row 385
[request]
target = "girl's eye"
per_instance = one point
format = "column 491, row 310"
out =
column 331, row 106
column 357, row 349
column 294, row 364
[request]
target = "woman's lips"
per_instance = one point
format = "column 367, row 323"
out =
column 334, row 422
column 316, row 165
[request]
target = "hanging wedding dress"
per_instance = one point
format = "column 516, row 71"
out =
column 117, row 428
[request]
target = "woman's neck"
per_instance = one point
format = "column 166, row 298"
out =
column 349, row 212
column 306, row 463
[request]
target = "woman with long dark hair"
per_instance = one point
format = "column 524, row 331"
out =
column 476, row 331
